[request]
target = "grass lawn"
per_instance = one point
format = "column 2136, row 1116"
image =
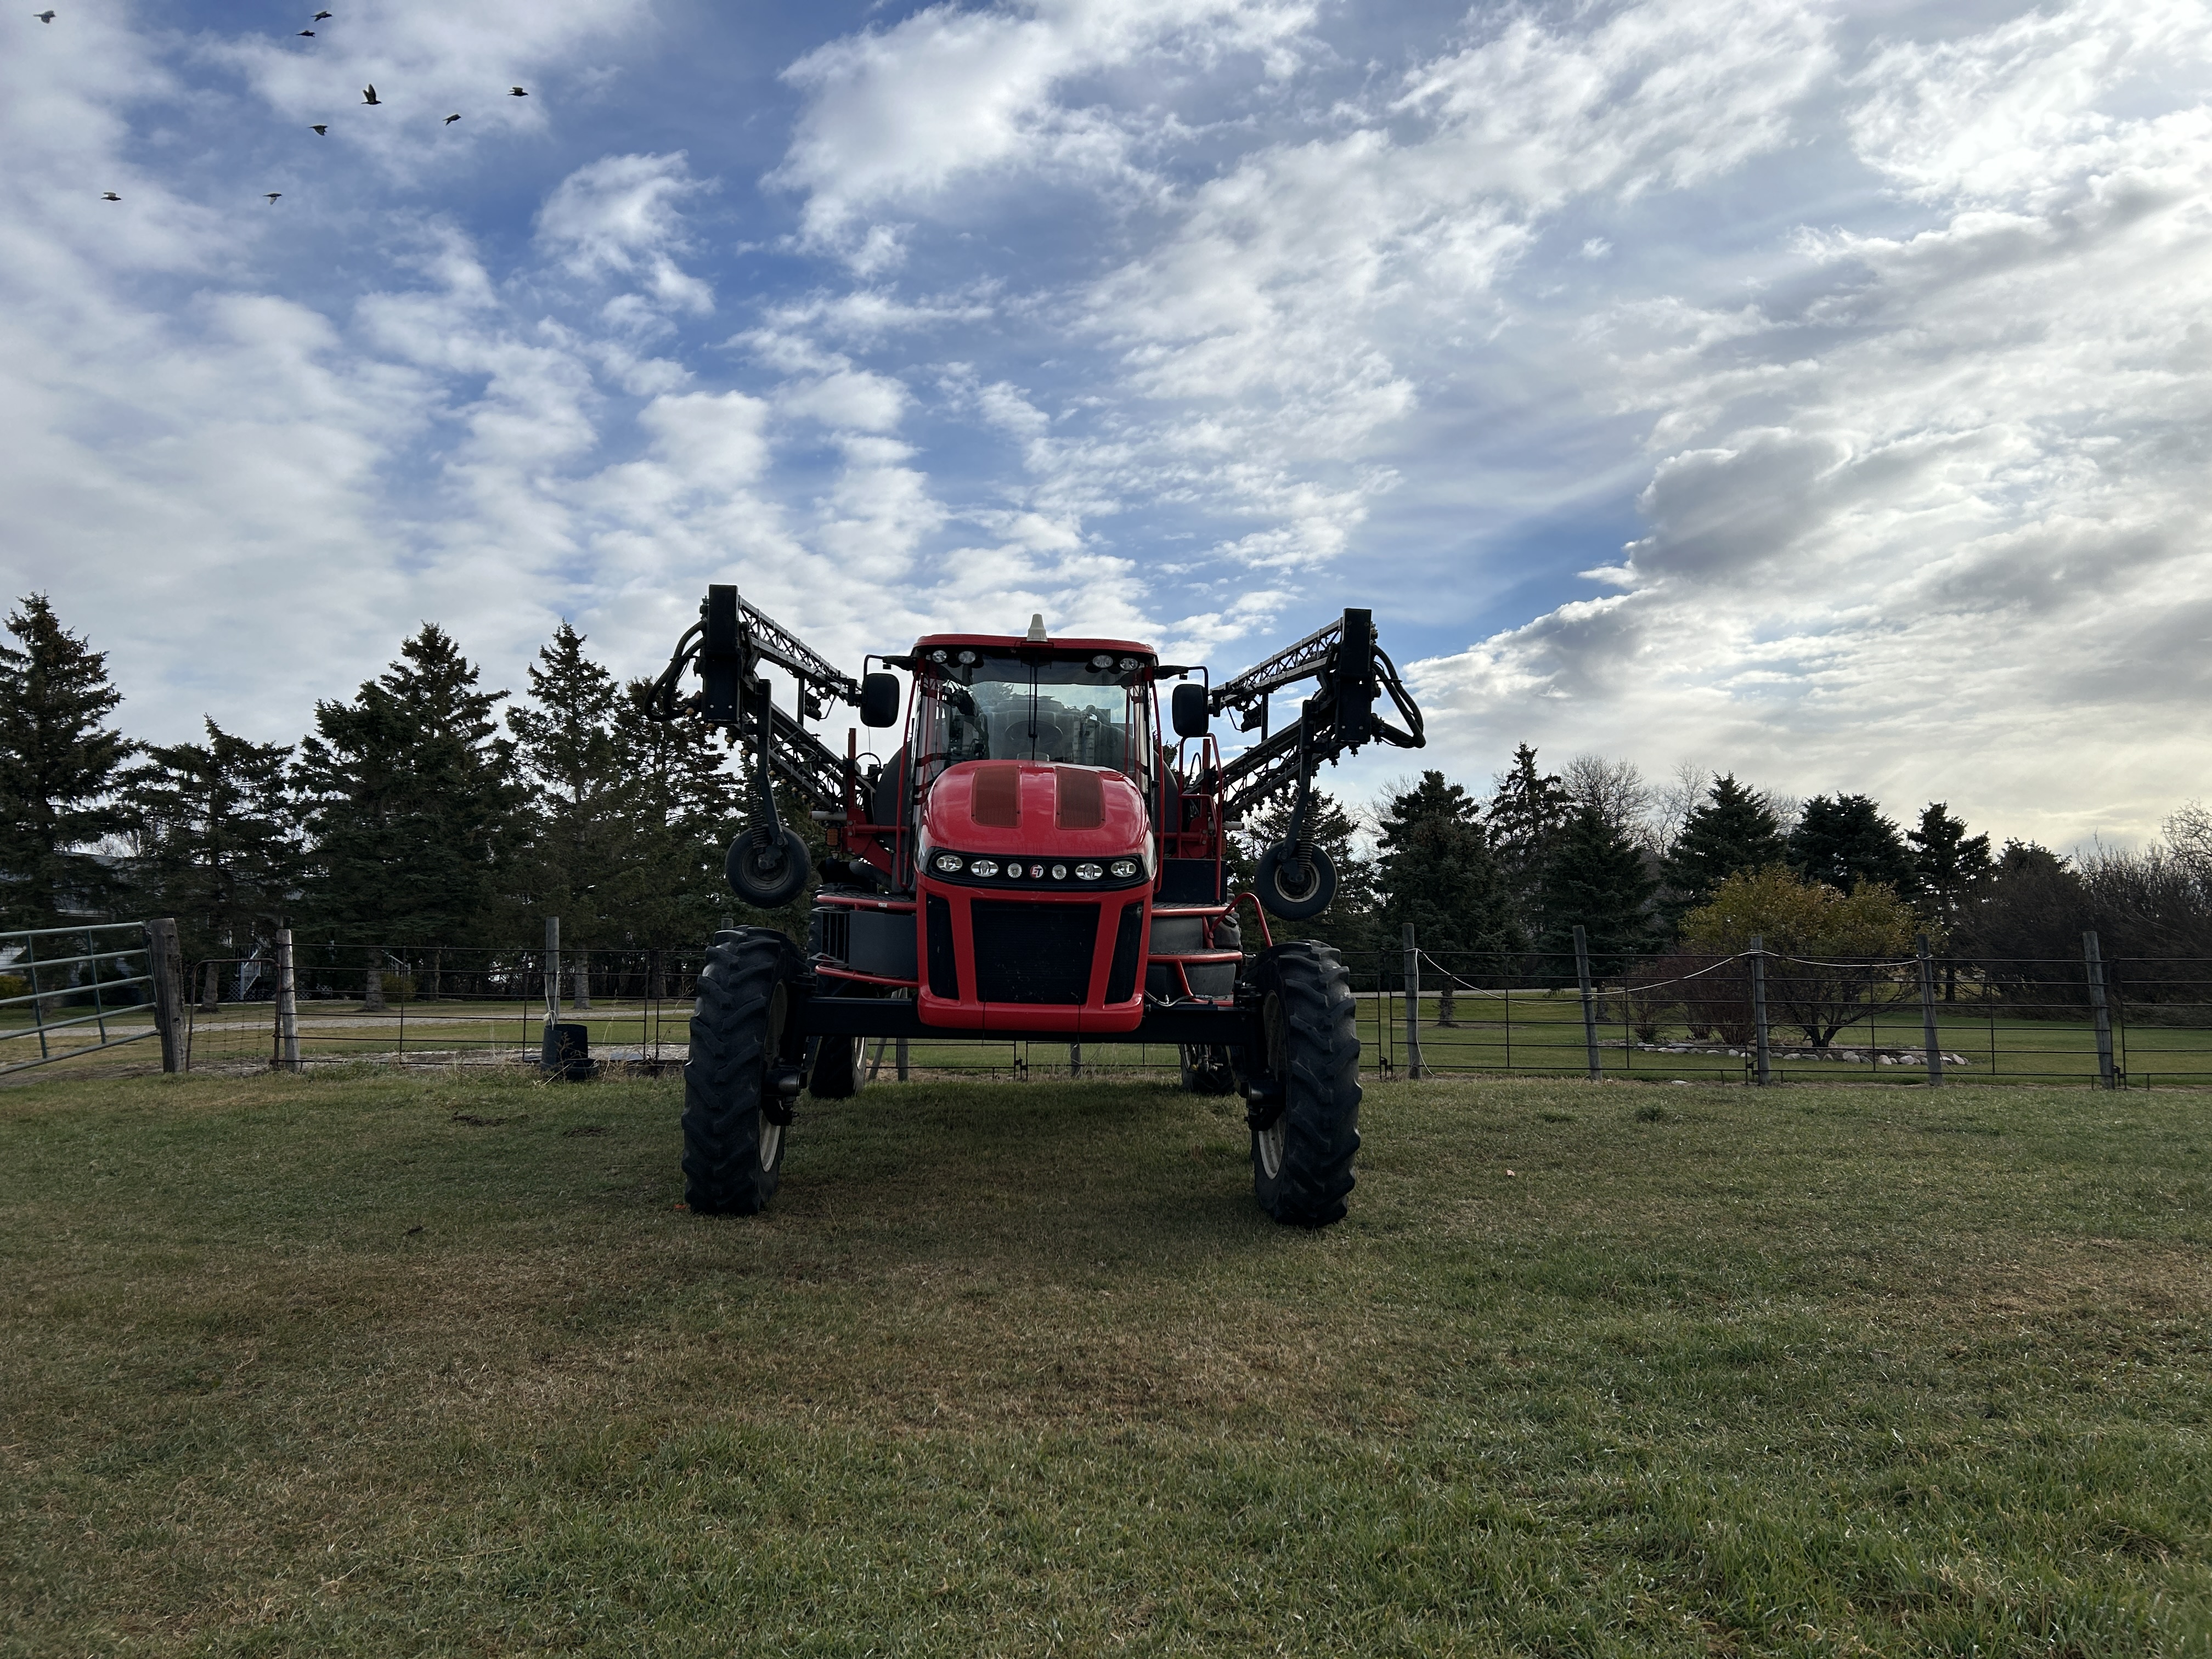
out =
column 385, row 1363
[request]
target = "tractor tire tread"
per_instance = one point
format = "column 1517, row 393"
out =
column 1321, row 1107
column 725, row 1074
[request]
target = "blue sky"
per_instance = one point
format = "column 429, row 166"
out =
column 1814, row 392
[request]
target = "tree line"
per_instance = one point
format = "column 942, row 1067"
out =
column 417, row 811
column 421, row 811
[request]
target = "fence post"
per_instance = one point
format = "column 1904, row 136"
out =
column 1759, row 1007
column 1413, row 1066
column 288, row 1006
column 898, row 1058
column 582, row 998
column 165, row 962
column 1075, row 1060
column 1589, row 1003
column 1928, row 1032
column 552, row 970
column 2094, row 961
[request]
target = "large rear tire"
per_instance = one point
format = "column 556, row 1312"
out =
column 741, row 1073
column 1304, row 1109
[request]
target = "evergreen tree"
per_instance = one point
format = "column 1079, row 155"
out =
column 1436, row 871
column 1734, row 829
column 1596, row 877
column 565, row 748
column 57, row 771
column 411, row 798
column 676, row 808
column 1528, row 811
column 216, row 848
column 1947, row 863
column 1843, row 840
column 1350, row 923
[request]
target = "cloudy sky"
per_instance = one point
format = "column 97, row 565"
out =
column 1819, row 391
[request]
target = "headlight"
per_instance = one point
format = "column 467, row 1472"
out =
column 1123, row 868
column 1088, row 873
column 947, row 864
column 985, row 868
column 1060, row 872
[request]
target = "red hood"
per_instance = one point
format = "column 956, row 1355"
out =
column 1005, row 807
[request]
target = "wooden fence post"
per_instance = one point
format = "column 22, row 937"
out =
column 1759, row 1007
column 1929, row 1034
column 1590, row 1002
column 288, row 1006
column 2092, row 960
column 1413, row 1066
column 165, row 962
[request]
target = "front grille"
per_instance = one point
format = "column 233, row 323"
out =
column 1121, row 982
column 944, row 968
column 1033, row 952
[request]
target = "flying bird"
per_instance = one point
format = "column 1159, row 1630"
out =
column 306, row 34
column 368, row 95
column 44, row 16
column 320, row 16
column 516, row 92
column 273, row 195
column 450, row 119
column 109, row 196
column 322, row 128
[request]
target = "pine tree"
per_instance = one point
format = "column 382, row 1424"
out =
column 1528, row 809
column 1734, row 829
column 565, row 745
column 217, row 849
column 1947, row 863
column 675, row 807
column 411, row 802
column 1435, row 872
column 57, row 771
column 1596, row 878
column 1843, row 840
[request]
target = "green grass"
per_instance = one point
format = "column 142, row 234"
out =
column 376, row 1363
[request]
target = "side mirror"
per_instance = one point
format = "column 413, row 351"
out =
column 879, row 700
column 1189, row 714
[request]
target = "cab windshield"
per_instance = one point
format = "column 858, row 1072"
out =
column 1090, row 710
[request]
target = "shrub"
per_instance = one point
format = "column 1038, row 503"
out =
column 1835, row 947
column 399, row 987
column 14, row 985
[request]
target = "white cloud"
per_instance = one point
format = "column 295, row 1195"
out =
column 896, row 115
column 1935, row 526
column 622, row 215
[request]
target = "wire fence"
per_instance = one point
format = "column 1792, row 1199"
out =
column 1750, row 1016
column 1764, row 1016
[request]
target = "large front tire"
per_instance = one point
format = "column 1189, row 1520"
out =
column 742, row 1072
column 1304, row 1112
